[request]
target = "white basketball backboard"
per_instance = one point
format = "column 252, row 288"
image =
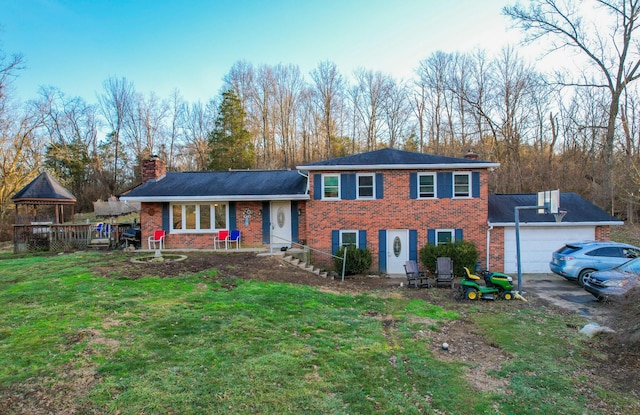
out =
column 550, row 199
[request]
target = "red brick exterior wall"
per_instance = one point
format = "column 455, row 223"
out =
column 251, row 231
column 496, row 250
column 396, row 210
column 603, row 233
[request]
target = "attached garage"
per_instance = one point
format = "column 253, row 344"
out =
column 540, row 234
column 537, row 243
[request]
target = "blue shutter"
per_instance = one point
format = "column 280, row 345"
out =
column 317, row 186
column 475, row 184
column 413, row 245
column 362, row 239
column 348, row 186
column 431, row 236
column 232, row 215
column 458, row 235
column 379, row 186
column 445, row 185
column 413, row 185
column 294, row 221
column 266, row 223
column 335, row 241
column 382, row 250
column 166, row 222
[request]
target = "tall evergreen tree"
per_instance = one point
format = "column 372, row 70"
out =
column 230, row 141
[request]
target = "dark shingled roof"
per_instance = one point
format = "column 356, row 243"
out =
column 579, row 210
column 390, row 156
column 246, row 183
column 44, row 188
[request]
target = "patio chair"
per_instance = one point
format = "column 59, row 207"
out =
column 444, row 271
column 219, row 238
column 156, row 240
column 415, row 277
column 234, row 237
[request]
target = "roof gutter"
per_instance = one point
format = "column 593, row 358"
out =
column 564, row 224
column 400, row 166
column 233, row 198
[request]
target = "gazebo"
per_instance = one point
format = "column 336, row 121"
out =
column 43, row 201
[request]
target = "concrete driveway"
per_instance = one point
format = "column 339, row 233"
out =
column 564, row 294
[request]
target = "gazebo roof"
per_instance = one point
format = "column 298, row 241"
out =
column 44, row 190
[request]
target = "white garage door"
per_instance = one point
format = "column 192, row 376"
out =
column 537, row 244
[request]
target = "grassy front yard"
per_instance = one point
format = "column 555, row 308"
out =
column 75, row 341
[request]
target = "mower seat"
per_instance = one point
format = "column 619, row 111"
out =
column 470, row 275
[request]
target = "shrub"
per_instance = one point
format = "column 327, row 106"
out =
column 358, row 260
column 463, row 254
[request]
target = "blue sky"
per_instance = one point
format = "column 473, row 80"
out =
column 190, row 45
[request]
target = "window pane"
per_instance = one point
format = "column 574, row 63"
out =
column 444, row 237
column 365, row 186
column 177, row 216
column 427, row 188
column 461, row 185
column 190, row 216
column 330, row 186
column 349, row 238
column 221, row 215
column 205, row 216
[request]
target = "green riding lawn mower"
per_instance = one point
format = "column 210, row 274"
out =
column 496, row 285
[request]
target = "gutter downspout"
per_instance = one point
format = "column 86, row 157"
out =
column 489, row 229
column 306, row 177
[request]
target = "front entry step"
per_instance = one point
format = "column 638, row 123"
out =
column 304, row 266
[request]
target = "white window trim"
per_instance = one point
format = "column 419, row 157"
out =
column 350, row 231
column 339, row 190
column 451, row 231
column 197, row 204
column 453, row 185
column 373, row 181
column 435, row 185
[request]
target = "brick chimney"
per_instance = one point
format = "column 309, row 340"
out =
column 153, row 168
column 471, row 155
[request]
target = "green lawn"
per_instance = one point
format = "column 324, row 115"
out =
column 77, row 342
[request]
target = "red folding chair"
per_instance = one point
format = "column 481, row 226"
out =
column 157, row 240
column 222, row 236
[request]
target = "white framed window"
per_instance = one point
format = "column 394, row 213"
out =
column 445, row 236
column 427, row 185
column 198, row 217
column 461, row 184
column 331, row 186
column 366, row 185
column 349, row 238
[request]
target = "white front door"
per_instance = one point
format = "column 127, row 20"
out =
column 397, row 250
column 281, row 224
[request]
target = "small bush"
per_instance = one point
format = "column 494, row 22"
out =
column 358, row 260
column 463, row 254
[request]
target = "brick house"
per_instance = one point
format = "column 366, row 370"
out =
column 393, row 202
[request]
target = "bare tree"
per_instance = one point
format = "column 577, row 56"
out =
column 396, row 111
column 328, row 88
column 370, row 91
column 289, row 85
column 116, row 104
column 198, row 121
column 610, row 46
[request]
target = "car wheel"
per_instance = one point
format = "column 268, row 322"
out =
column 584, row 274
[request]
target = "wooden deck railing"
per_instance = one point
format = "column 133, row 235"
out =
column 67, row 237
